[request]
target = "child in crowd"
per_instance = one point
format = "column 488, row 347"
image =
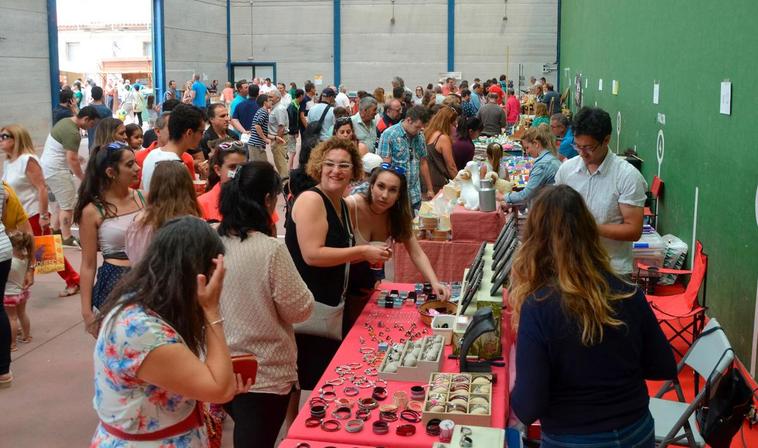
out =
column 17, row 287
column 134, row 136
column 494, row 157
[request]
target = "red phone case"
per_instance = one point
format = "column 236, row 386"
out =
column 245, row 365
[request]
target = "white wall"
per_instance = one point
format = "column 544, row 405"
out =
column 195, row 40
column 298, row 37
column 25, row 86
column 95, row 45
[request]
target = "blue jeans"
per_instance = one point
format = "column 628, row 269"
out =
column 640, row 434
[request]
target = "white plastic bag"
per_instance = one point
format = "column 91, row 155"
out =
column 676, row 254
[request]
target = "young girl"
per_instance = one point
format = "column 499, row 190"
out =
column 494, row 156
column 134, row 136
column 17, row 288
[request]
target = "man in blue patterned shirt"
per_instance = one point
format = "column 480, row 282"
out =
column 403, row 145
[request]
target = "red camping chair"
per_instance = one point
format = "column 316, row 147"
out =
column 682, row 313
column 655, row 193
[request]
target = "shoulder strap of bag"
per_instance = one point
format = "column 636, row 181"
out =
column 349, row 227
column 323, row 115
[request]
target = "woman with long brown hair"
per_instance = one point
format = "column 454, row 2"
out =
column 171, row 196
column 439, row 147
column 381, row 215
column 539, row 144
column 587, row 340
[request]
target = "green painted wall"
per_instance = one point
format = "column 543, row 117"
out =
column 689, row 47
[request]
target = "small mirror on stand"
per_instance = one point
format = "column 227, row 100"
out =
column 481, row 323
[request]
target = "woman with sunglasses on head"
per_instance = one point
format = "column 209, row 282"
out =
column 320, row 239
column 261, row 301
column 22, row 171
column 439, row 147
column 226, row 156
column 105, row 208
column 383, row 214
column 343, row 128
column 172, row 195
column 587, row 340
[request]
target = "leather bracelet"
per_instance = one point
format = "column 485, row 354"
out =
column 380, row 427
column 379, row 394
column 405, row 430
column 433, row 427
column 388, row 416
column 344, row 402
column 416, row 406
column 354, row 425
column 367, row 403
column 330, row 425
column 363, row 414
column 328, row 396
column 342, row 413
column 418, row 393
column 410, row 416
column 316, row 400
column 391, row 408
column 312, row 422
column 318, row 411
column 351, row 391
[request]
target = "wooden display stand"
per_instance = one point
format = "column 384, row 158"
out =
column 472, row 392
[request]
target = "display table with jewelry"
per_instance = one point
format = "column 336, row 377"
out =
column 360, row 399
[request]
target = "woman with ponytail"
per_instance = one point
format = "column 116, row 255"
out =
column 105, row 208
column 260, row 302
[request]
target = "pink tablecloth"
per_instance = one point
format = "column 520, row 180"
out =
column 448, row 258
column 290, row 443
column 348, row 353
column 467, row 225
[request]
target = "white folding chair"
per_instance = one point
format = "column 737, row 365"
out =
column 710, row 356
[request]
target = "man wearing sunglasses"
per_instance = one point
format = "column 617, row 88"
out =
column 403, row 145
column 612, row 188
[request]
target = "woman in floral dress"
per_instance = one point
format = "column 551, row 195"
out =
column 149, row 381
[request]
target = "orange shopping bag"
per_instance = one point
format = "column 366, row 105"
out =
column 48, row 251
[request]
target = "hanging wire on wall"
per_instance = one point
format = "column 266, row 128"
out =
column 392, row 19
column 505, row 10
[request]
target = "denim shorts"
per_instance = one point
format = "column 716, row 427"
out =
column 640, row 434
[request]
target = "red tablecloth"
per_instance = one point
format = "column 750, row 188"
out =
column 468, row 225
column 448, row 258
column 348, row 353
column 290, row 443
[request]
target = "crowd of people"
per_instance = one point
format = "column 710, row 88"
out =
column 183, row 212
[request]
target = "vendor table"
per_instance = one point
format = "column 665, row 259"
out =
column 448, row 258
column 290, row 443
column 349, row 353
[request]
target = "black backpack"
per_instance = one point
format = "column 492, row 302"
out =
column 312, row 132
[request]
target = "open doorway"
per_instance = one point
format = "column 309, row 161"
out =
column 107, row 44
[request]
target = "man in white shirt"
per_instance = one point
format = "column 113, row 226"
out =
column 286, row 97
column 612, row 188
column 364, row 122
column 267, row 87
column 342, row 100
column 185, row 130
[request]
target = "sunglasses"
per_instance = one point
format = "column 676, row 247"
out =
column 388, row 166
column 4, row 137
column 229, row 146
column 343, row 121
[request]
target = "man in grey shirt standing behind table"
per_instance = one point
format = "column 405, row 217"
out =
column 492, row 116
column 612, row 188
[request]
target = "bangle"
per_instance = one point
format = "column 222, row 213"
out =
column 380, row 427
column 219, row 321
column 354, row 425
column 330, row 425
column 405, row 430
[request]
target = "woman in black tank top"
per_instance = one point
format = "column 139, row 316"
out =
column 320, row 240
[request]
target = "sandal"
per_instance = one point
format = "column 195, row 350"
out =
column 69, row 291
column 25, row 340
column 6, row 380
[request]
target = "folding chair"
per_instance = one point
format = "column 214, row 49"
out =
column 684, row 305
column 655, row 193
column 710, row 356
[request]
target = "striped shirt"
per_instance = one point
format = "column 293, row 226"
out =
column 261, row 119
